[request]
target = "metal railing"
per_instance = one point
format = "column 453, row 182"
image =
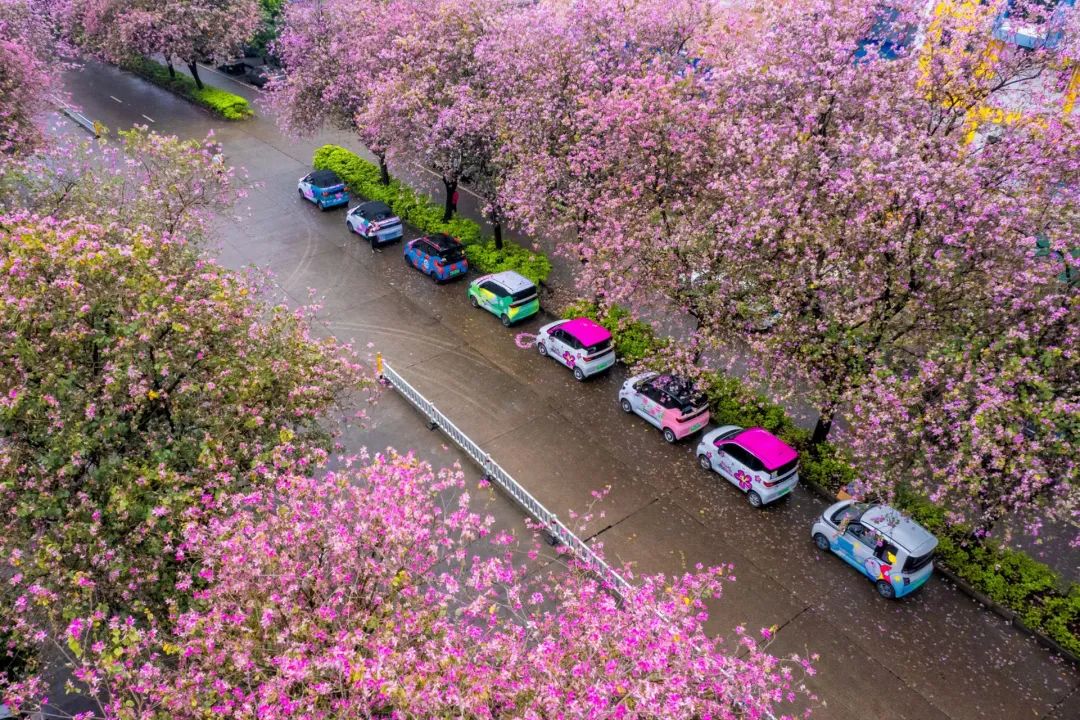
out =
column 80, row 119
column 495, row 473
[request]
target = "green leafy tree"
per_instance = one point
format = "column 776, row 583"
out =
column 139, row 383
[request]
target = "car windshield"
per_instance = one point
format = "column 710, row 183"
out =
column 522, row 294
column 379, row 215
column 597, row 347
column 681, row 389
column 850, row 513
column 787, row 467
column 452, row 255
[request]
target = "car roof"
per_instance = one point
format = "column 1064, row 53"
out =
column 442, row 241
column 375, row 206
column 769, row 449
column 511, row 280
column 899, row 528
column 324, row 178
column 589, row 332
column 675, row 385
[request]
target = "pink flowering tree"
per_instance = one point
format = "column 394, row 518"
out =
column 338, row 56
column 137, row 179
column 193, row 30
column 29, row 54
column 379, row 590
column 827, row 199
column 140, row 384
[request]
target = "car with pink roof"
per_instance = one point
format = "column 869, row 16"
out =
column 580, row 344
column 752, row 459
column 670, row 402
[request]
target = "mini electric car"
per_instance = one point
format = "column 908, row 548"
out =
column 507, row 295
column 580, row 344
column 893, row 551
column 324, row 188
column 757, row 462
column 438, row 256
column 669, row 402
column 375, row 222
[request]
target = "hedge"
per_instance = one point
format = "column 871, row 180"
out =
column 225, row 104
column 363, row 178
column 1041, row 599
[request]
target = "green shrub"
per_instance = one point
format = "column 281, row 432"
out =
column 483, row 257
column 1011, row 578
column 364, row 179
column 225, row 104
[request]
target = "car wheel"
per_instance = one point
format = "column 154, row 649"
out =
column 704, row 462
column 885, row 589
column 669, row 435
column 626, row 406
column 473, row 302
column 821, row 541
column 541, row 348
column 578, row 374
column 505, row 319
column 754, row 499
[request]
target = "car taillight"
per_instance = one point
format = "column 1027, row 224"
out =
column 773, row 481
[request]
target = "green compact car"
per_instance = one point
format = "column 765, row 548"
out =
column 507, row 295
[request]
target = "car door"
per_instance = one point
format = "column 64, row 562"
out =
column 558, row 347
column 305, row 188
column 427, row 259
column 856, row 546
column 724, row 463
column 360, row 222
column 489, row 296
column 650, row 406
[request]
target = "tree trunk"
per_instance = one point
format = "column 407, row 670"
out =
column 496, row 227
column 451, row 199
column 194, row 68
column 824, row 425
column 172, row 70
column 384, row 171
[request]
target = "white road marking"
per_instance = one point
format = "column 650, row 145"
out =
column 117, row 99
column 148, row 117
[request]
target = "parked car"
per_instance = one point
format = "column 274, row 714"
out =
column 753, row 459
column 438, row 256
column 581, row 344
column 262, row 75
column 507, row 295
column 375, row 222
column 667, row 401
column 894, row 551
column 324, row 188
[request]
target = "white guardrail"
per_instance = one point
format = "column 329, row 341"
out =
column 494, row 472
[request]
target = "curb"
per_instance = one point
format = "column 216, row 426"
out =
column 1006, row 614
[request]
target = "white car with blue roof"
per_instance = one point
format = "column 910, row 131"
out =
column 892, row 550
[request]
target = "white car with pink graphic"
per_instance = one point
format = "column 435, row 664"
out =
column 581, row 344
column 754, row 460
column 667, row 401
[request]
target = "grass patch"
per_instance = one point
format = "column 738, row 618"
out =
column 218, row 101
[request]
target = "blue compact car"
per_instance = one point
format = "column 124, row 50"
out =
column 893, row 551
column 324, row 188
column 439, row 256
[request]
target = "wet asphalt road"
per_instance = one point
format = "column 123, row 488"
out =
column 934, row 655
